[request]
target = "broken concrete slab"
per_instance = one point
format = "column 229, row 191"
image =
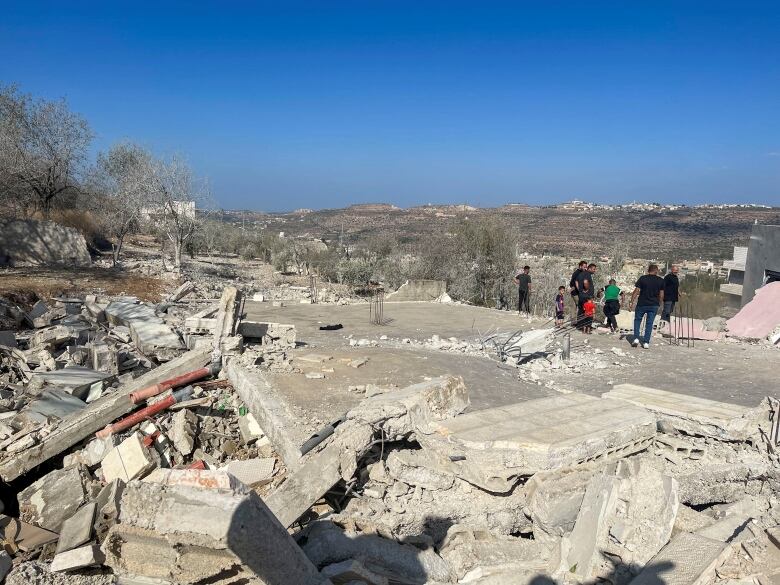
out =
column 97, row 415
column 476, row 553
column 252, row 472
column 52, row 499
column 495, row 447
column 150, row 337
column 202, row 322
column 129, row 460
column 189, row 535
column 124, row 312
column 270, row 411
column 420, row 468
column 418, row 290
column 76, row 380
column 397, row 413
column 227, row 315
column 184, row 289
column 198, row 478
column 554, row 501
column 25, row 536
column 693, row 415
column 689, row 559
column 249, row 428
column 79, row 558
column 77, row 529
column 54, row 403
column 327, row 544
column 279, row 334
column 626, row 517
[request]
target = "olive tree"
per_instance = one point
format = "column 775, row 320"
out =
column 43, row 148
column 175, row 195
column 123, row 178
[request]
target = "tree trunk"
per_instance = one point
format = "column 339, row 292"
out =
column 177, row 248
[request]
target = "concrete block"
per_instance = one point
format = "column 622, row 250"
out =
column 189, row 535
column 693, row 415
column 150, row 336
column 79, row 558
column 103, row 357
column 628, row 512
column 420, row 468
column 249, row 428
column 500, row 445
column 128, row 460
column 183, row 429
column 77, row 529
column 689, row 559
column 252, row 472
column 108, row 499
column 554, row 501
column 52, row 499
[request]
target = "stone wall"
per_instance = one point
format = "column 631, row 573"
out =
column 419, row 290
column 40, row 243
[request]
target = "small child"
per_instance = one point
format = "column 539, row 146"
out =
column 590, row 311
column 559, row 306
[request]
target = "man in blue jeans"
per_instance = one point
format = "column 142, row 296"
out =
column 650, row 294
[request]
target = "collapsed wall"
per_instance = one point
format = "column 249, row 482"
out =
column 419, row 290
column 28, row 241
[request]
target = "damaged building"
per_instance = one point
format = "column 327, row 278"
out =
column 241, row 441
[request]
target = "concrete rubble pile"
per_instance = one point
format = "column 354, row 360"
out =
column 191, row 472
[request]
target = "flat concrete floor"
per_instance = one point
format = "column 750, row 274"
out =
column 725, row 371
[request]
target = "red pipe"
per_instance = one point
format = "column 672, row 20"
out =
column 144, row 413
column 148, row 392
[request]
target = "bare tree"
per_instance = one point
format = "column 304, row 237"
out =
column 123, row 177
column 176, row 196
column 43, row 147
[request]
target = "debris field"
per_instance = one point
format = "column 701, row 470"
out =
column 146, row 443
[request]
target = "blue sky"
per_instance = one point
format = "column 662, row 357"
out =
column 323, row 104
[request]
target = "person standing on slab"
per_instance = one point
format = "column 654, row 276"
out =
column 647, row 296
column 523, row 282
column 671, row 292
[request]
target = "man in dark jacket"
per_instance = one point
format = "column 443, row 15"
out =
column 671, row 292
column 575, row 293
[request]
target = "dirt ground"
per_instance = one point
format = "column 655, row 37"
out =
column 23, row 285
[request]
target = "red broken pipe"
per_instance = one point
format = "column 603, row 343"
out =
column 144, row 413
column 194, row 375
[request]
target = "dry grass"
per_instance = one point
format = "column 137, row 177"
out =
column 25, row 285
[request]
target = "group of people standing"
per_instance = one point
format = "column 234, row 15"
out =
column 651, row 293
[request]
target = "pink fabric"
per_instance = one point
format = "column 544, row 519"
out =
column 760, row 316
